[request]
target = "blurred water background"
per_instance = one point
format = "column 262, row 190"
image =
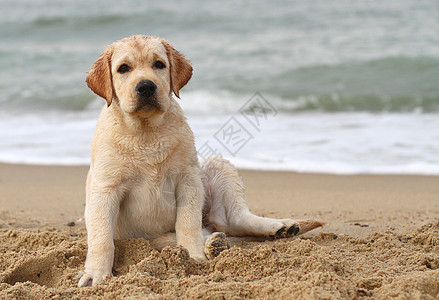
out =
column 355, row 83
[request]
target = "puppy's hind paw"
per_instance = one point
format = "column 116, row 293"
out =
column 216, row 244
column 293, row 230
column 289, row 229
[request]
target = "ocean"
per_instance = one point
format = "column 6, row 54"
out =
column 350, row 87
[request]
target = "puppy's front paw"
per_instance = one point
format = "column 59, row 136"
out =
column 196, row 252
column 92, row 277
column 199, row 257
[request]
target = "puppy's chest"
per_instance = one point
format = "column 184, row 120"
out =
column 145, row 153
column 153, row 189
column 149, row 209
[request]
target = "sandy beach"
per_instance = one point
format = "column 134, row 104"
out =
column 381, row 241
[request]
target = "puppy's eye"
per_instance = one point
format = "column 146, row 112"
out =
column 123, row 69
column 159, row 65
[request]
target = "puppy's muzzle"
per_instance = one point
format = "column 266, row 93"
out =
column 146, row 88
column 146, row 91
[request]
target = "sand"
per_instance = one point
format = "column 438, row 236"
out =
column 382, row 241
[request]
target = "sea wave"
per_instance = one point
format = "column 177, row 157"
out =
column 341, row 143
column 351, row 81
column 208, row 101
column 392, row 84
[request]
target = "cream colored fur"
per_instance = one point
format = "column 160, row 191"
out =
column 144, row 179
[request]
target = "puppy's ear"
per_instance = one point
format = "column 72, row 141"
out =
column 180, row 68
column 99, row 78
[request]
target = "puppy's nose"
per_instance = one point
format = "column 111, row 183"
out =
column 146, row 88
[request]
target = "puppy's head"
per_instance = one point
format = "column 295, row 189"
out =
column 141, row 72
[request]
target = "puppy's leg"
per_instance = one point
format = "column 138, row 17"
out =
column 190, row 199
column 227, row 210
column 101, row 214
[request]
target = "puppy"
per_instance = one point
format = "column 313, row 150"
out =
column 144, row 179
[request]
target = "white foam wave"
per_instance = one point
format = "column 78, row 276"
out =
column 342, row 143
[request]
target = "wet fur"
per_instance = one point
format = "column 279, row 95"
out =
column 145, row 180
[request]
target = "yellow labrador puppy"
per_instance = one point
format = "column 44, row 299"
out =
column 144, row 179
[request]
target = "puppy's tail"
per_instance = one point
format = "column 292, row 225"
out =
column 307, row 225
